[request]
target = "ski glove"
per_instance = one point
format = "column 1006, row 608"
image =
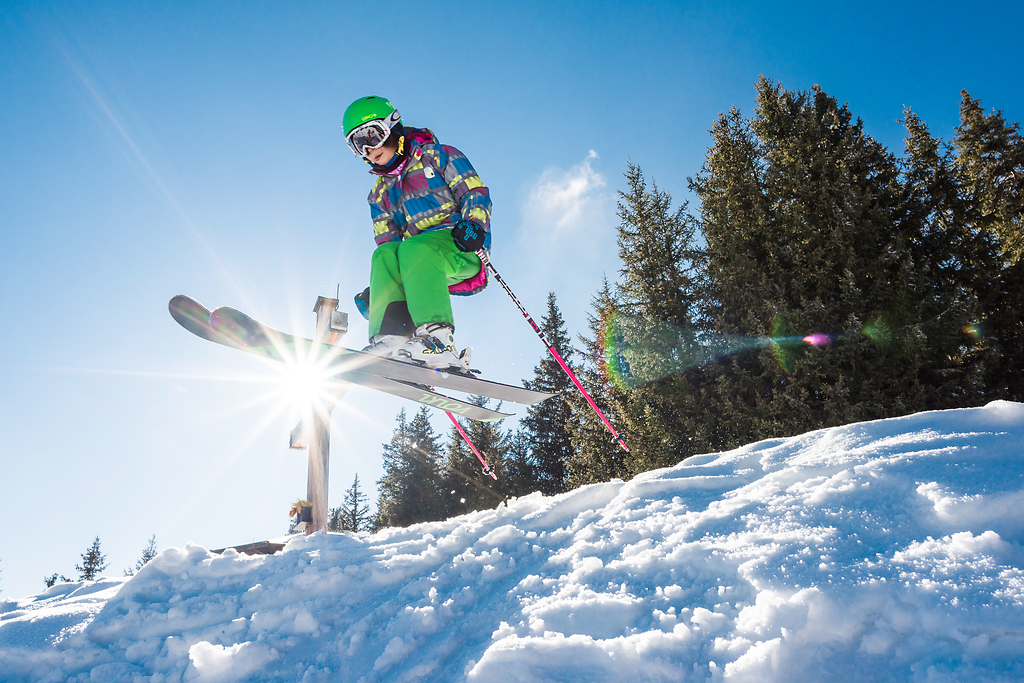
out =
column 363, row 303
column 470, row 237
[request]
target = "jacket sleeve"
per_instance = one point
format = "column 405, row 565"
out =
column 469, row 191
column 385, row 219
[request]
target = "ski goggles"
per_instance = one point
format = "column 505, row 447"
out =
column 372, row 134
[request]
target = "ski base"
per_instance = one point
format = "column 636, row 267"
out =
column 233, row 328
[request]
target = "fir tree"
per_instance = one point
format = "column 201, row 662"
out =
column 410, row 489
column 990, row 167
column 809, row 229
column 971, row 197
column 544, row 426
column 654, row 337
column 148, row 553
column 519, row 473
column 661, row 273
column 595, row 458
column 950, row 252
column 353, row 514
column 93, row 562
column 990, row 162
column 52, row 579
column 913, row 271
column 644, row 344
column 466, row 487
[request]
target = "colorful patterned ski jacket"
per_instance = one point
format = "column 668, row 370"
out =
column 433, row 188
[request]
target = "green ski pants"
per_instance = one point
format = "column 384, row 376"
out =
column 409, row 280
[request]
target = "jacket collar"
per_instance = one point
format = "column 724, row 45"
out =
column 414, row 153
column 414, row 137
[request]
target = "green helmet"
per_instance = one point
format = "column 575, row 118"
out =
column 367, row 109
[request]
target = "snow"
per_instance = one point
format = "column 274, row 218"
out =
column 887, row 550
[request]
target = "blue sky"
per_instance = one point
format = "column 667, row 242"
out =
column 151, row 149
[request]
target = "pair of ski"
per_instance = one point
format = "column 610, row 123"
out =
column 235, row 329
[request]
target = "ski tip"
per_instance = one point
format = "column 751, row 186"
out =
column 182, row 301
column 193, row 316
column 187, row 311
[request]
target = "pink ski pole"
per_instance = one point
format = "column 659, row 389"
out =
column 487, row 468
column 551, row 349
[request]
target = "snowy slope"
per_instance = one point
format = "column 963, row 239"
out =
column 888, row 550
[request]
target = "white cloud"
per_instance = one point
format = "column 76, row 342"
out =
column 566, row 241
column 564, row 201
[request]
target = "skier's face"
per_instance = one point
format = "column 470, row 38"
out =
column 382, row 155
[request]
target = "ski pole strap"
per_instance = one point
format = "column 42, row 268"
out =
column 551, row 349
column 487, row 468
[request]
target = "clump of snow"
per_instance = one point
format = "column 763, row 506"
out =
column 887, row 550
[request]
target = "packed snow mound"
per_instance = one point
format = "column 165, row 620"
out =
column 887, row 550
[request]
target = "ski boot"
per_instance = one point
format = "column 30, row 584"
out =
column 433, row 346
column 385, row 345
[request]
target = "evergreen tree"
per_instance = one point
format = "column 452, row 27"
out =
column 654, row 334
column 353, row 514
column 971, row 193
column 641, row 367
column 990, row 162
column 410, row 489
column 148, row 553
column 334, row 516
column 52, row 579
column 519, row 475
column 809, row 229
column 596, row 457
column 544, row 426
column 93, row 562
column 951, row 253
column 661, row 273
column 911, row 271
column 466, row 487
column 990, row 167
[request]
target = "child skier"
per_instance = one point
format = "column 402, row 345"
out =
column 431, row 214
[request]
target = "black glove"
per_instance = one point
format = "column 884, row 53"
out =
column 363, row 303
column 468, row 236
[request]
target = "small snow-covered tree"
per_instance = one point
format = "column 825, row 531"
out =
column 93, row 562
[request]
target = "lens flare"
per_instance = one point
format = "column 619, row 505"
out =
column 637, row 351
column 305, row 380
column 974, row 331
column 782, row 348
column 819, row 339
column 878, row 331
column 306, row 385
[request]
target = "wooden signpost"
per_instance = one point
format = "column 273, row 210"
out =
column 314, row 429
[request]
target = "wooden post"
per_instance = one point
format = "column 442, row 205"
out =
column 331, row 324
